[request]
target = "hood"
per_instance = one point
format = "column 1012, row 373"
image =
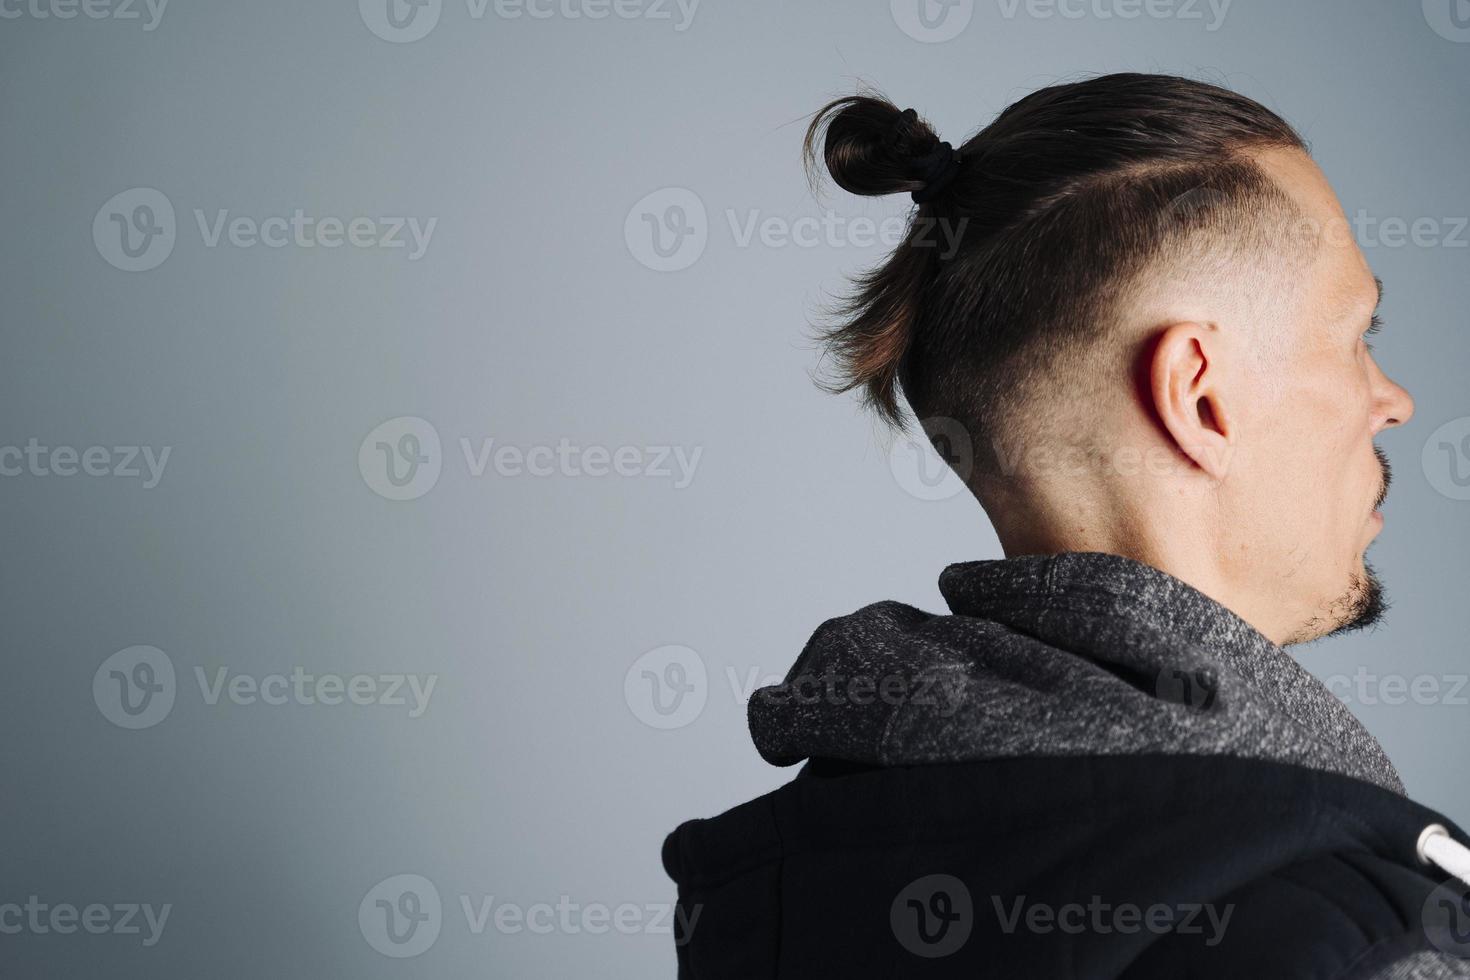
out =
column 1076, row 654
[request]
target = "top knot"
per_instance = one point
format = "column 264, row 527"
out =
column 872, row 147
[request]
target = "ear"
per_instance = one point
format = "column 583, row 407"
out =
column 1186, row 385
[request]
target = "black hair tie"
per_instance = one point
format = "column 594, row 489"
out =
column 937, row 169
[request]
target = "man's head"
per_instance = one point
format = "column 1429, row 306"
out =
column 1150, row 332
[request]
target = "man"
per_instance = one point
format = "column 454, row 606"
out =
column 1101, row 762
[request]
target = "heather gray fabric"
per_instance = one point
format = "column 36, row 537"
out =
column 1070, row 654
column 1427, row 966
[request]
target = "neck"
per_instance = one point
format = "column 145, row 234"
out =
column 1046, row 524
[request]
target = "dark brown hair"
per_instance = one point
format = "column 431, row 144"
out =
column 1056, row 206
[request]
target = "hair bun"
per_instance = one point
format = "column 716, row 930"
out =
column 873, row 148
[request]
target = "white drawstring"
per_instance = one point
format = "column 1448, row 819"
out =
column 1436, row 846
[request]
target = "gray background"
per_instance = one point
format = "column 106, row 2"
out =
column 531, row 319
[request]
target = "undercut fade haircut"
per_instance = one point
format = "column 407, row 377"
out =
column 1020, row 260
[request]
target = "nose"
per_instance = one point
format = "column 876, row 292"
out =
column 1393, row 405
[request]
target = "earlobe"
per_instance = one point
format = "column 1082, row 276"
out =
column 1184, row 384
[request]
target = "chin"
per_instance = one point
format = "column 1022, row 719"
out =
column 1364, row 603
column 1360, row 605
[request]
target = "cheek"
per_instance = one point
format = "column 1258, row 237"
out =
column 1330, row 419
column 1303, row 462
